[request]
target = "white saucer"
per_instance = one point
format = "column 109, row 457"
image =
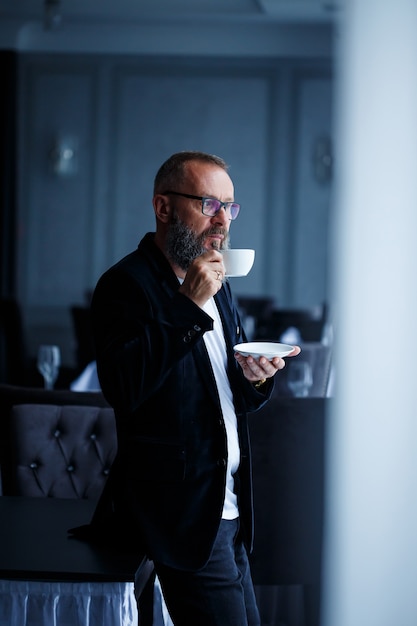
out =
column 268, row 349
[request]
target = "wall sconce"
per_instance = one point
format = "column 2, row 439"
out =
column 52, row 17
column 323, row 160
column 63, row 157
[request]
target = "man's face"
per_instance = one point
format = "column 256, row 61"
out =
column 190, row 232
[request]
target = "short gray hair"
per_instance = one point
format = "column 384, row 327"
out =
column 173, row 171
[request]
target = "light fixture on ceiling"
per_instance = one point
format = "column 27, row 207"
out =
column 52, row 17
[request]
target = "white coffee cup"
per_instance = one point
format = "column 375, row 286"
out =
column 238, row 261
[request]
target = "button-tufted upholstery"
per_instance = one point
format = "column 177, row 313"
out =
column 61, row 451
column 68, row 437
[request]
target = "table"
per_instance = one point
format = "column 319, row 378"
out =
column 34, row 544
column 288, row 454
column 46, row 577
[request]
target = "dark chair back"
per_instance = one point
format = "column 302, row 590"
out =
column 12, row 396
column 310, row 323
column 258, row 308
column 81, row 322
column 13, row 360
column 60, row 451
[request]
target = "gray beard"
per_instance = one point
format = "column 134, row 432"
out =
column 182, row 245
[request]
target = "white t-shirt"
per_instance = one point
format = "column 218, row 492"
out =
column 216, row 348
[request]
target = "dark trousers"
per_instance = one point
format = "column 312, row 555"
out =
column 221, row 594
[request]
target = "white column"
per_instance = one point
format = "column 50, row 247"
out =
column 370, row 574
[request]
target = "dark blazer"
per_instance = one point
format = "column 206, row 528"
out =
column 166, row 488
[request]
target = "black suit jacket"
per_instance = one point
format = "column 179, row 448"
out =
column 166, row 489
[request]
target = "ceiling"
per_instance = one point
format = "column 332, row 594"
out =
column 128, row 10
column 215, row 27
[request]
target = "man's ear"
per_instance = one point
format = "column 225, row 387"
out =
column 162, row 208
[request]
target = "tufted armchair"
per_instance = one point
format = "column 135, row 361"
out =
column 55, row 443
column 61, row 451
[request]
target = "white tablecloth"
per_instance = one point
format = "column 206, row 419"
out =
column 87, row 380
column 67, row 604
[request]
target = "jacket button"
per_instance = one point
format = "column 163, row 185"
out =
column 190, row 334
column 221, row 462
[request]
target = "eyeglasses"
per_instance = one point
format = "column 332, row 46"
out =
column 211, row 206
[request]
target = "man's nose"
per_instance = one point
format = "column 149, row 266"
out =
column 221, row 217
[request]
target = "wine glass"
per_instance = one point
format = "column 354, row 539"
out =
column 300, row 378
column 49, row 360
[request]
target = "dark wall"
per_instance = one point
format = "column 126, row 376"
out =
column 8, row 116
